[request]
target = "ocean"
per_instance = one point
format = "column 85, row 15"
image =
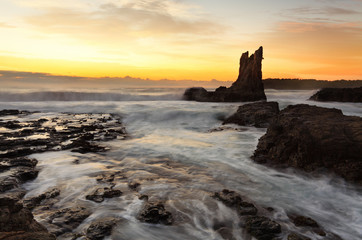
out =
column 178, row 154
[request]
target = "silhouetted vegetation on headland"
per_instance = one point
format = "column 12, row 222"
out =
column 286, row 83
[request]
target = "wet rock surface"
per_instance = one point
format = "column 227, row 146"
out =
column 33, row 202
column 76, row 132
column 128, row 182
column 23, row 133
column 17, row 222
column 67, row 219
column 248, row 86
column 101, row 193
column 338, row 95
column 262, row 228
column 258, row 114
column 155, row 213
column 314, row 138
column 234, row 200
column 101, row 228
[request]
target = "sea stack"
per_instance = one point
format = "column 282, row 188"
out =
column 248, row 87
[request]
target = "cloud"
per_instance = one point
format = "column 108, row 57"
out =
column 320, row 14
column 140, row 19
column 323, row 11
column 5, row 25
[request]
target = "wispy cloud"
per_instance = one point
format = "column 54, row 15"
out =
column 321, row 14
column 144, row 18
column 6, row 25
column 323, row 11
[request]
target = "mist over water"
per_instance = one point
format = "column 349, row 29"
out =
column 175, row 158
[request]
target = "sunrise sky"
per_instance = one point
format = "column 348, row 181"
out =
column 181, row 39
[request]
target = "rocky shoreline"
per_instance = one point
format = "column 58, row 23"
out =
column 305, row 137
column 87, row 133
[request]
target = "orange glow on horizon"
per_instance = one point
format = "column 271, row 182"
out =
column 180, row 40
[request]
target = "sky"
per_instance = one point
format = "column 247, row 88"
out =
column 181, row 39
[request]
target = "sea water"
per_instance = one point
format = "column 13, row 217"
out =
column 177, row 158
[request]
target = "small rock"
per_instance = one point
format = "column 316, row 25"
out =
column 101, row 193
column 262, row 228
column 228, row 197
column 101, row 228
column 155, row 213
column 301, row 221
column 134, row 186
column 246, row 208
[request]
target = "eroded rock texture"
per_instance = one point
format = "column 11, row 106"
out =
column 248, row 86
column 312, row 138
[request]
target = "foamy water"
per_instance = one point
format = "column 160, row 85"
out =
column 175, row 158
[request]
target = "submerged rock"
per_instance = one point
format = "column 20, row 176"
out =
column 234, row 200
column 312, row 138
column 296, row 236
column 248, row 86
column 338, row 95
column 258, row 114
column 101, row 193
column 155, row 213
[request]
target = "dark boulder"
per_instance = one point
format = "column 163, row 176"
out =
column 155, row 213
column 258, row 114
column 262, row 228
column 304, row 221
column 101, row 228
column 248, row 86
column 17, row 222
column 197, row 94
column 313, row 138
column 228, row 197
column 338, row 95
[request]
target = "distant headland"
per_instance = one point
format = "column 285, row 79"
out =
column 306, row 84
